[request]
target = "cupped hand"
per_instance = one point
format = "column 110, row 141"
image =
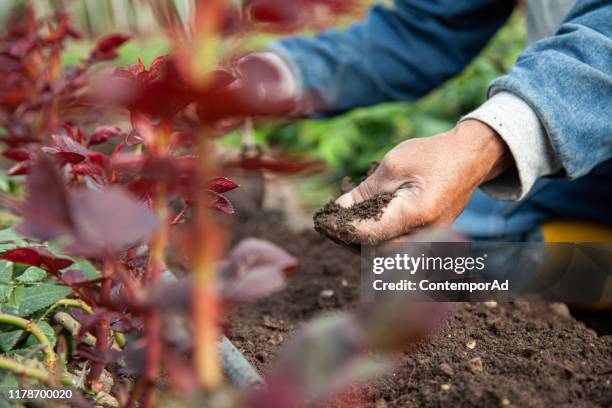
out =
column 432, row 180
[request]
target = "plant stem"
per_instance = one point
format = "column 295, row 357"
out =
column 78, row 303
column 206, row 304
column 50, row 356
column 74, row 327
column 102, row 331
column 157, row 257
column 46, row 378
column 21, row 369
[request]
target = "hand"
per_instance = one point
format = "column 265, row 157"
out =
column 433, row 179
column 264, row 86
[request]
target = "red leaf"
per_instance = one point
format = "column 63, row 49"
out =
column 72, row 276
column 103, row 133
column 67, row 149
column 36, row 257
column 221, row 185
column 19, row 169
column 221, row 203
column 45, row 213
column 255, row 268
column 98, row 221
column 87, row 169
column 134, row 138
column 111, row 42
column 108, row 220
column 17, row 154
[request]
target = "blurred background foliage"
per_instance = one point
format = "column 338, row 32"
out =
column 347, row 143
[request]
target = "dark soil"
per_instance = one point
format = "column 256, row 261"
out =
column 336, row 222
column 485, row 355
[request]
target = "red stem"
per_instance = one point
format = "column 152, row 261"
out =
column 102, row 331
column 157, row 253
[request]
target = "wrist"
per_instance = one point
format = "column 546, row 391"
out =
column 482, row 148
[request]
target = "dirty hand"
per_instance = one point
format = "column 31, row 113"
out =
column 433, row 179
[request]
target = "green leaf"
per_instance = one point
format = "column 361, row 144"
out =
column 6, row 246
column 15, row 295
column 86, row 267
column 5, row 292
column 9, row 235
column 35, row 298
column 6, row 271
column 9, row 339
column 31, row 275
column 9, row 382
column 46, row 329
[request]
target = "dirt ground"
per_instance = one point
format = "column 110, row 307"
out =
column 485, row 355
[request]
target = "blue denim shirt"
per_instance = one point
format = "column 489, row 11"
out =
column 401, row 53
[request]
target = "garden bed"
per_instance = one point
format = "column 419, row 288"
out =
column 518, row 354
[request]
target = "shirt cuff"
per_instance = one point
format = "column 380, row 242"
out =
column 518, row 125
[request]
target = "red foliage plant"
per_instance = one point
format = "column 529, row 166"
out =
column 113, row 195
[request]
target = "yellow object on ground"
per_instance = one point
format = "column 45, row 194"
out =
column 575, row 231
column 578, row 231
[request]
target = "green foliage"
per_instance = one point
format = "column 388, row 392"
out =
column 28, row 292
column 27, row 300
column 9, row 339
column 46, row 329
column 147, row 49
column 32, row 275
column 6, row 271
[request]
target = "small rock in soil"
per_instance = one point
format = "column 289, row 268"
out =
column 445, row 387
column 271, row 323
column 327, row 294
column 471, row 344
column 475, row 365
column 491, row 304
column 446, row 369
column 523, row 306
column 560, row 309
column 276, row 339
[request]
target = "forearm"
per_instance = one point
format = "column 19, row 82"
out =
column 566, row 82
column 396, row 54
column 553, row 108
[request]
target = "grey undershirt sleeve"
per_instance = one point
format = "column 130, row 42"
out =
column 518, row 125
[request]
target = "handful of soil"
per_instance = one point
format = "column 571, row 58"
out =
column 336, row 223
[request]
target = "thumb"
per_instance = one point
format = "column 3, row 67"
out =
column 367, row 189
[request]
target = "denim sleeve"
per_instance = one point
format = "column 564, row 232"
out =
column 395, row 54
column 567, row 81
